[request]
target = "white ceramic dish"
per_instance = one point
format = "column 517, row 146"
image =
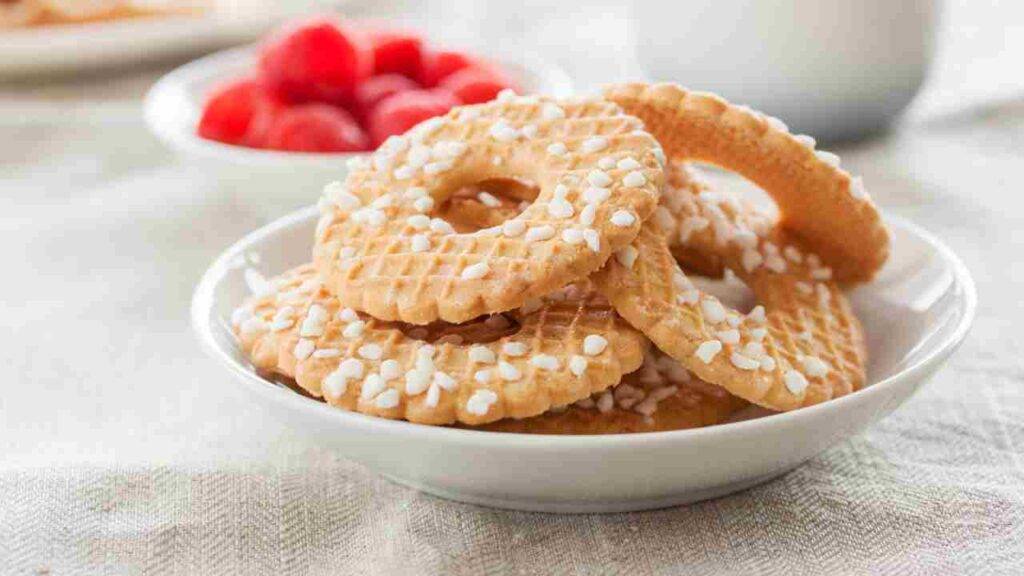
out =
column 75, row 48
column 915, row 315
column 280, row 181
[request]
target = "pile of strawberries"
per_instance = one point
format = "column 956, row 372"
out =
column 328, row 86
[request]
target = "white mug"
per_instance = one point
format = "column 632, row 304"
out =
column 834, row 69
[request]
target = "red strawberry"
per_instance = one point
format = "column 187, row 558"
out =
column 398, row 113
column 475, row 85
column 315, row 128
column 396, row 52
column 316, row 60
column 377, row 88
column 439, row 65
column 233, row 112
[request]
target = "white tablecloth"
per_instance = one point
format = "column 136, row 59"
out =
column 121, row 452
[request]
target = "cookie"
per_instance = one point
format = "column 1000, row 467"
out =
column 661, row 396
column 519, row 364
column 381, row 248
column 818, row 201
column 802, row 345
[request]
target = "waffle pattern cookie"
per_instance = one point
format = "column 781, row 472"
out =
column 515, row 365
column 818, row 201
column 802, row 345
column 381, row 248
column 661, row 396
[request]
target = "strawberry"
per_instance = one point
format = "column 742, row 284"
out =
column 315, row 128
column 396, row 52
column 376, row 88
column 439, row 65
column 400, row 112
column 317, row 60
column 234, row 111
column 474, row 85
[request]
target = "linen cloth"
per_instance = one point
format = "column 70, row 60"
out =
column 123, row 452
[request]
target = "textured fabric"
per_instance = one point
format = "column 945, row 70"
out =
column 121, row 452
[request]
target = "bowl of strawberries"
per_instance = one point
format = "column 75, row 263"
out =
column 278, row 120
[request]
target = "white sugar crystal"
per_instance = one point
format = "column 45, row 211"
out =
column 480, row 402
column 596, row 195
column 592, row 239
column 354, row 329
column 371, row 351
column 708, row 350
column 440, row 226
column 481, row 354
column 416, row 381
column 514, row 349
column 508, row 372
column 303, row 349
column 628, row 163
column 423, row 204
column 420, row 243
column 795, row 381
column 560, row 208
column 387, row 399
column 390, row 369
column 713, row 310
column 326, row 353
column 335, row 384
column 482, row 376
column 634, row 179
column 351, row 368
column 588, row 214
column 578, row 365
column 545, row 362
column 445, row 381
column 539, row 233
column 814, row 366
column 347, row 315
column 623, row 218
column 557, row 148
column 594, row 144
column 572, row 236
column 599, row 178
column 828, row 158
column 488, row 199
column 475, row 271
column 418, row 221
column 513, row 228
column 594, row 345
column 731, row 336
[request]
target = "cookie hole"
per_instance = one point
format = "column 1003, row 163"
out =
column 487, row 203
column 482, row 330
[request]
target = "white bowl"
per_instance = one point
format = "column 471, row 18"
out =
column 268, row 181
column 915, row 314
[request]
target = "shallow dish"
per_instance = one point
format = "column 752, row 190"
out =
column 915, row 314
column 271, row 181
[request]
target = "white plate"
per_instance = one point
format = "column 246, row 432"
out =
column 278, row 182
column 915, row 314
column 80, row 47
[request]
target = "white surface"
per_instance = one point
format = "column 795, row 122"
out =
column 914, row 315
column 174, row 105
column 81, row 47
column 835, row 70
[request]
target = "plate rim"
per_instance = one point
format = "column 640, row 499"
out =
column 203, row 301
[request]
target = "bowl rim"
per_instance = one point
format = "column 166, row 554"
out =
column 203, row 301
column 181, row 138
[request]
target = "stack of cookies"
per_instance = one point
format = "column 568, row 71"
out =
column 525, row 265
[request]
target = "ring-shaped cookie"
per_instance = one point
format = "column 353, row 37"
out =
column 819, row 202
column 379, row 250
column 800, row 346
column 660, row 396
column 567, row 347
